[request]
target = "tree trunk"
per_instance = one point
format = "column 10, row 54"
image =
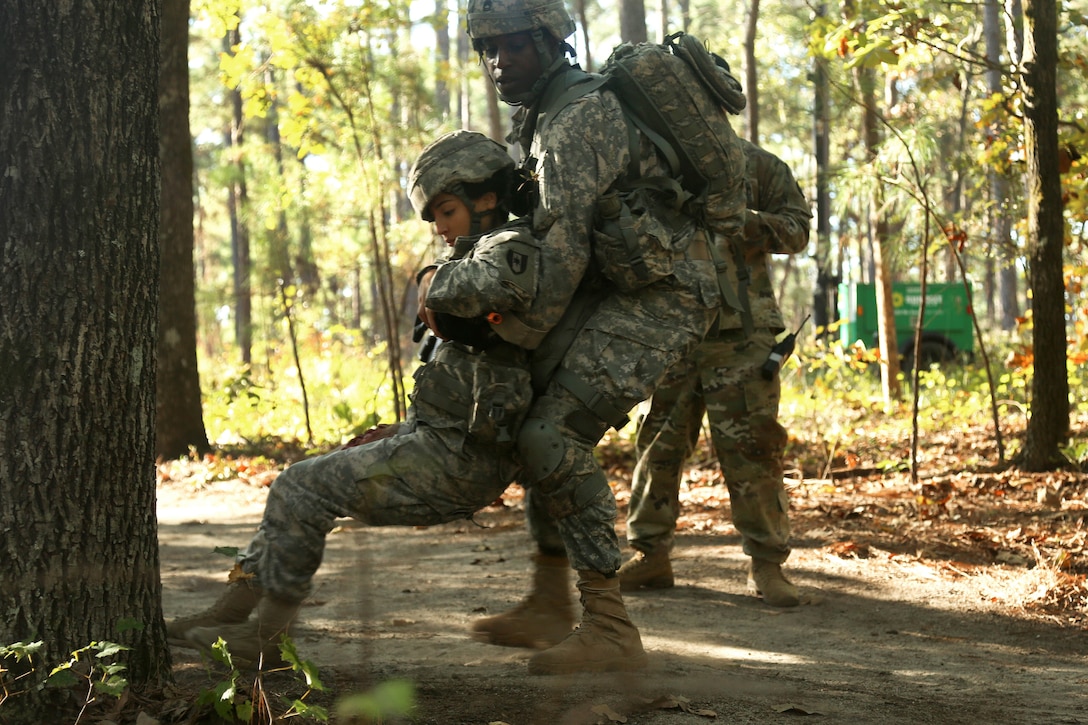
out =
column 824, row 306
column 685, row 14
column 464, row 55
column 496, row 120
column 237, row 203
column 632, row 21
column 79, row 256
column 751, row 74
column 583, row 23
column 442, row 57
column 889, row 344
column 179, row 417
column 1048, row 425
column 999, row 183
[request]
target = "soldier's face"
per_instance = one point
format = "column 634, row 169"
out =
column 452, row 218
column 513, row 63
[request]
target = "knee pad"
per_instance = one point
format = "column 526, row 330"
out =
column 541, row 447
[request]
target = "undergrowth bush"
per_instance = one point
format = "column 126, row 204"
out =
column 348, row 390
column 831, row 396
column 832, row 399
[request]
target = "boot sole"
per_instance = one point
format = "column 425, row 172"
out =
column 627, row 664
column 540, row 644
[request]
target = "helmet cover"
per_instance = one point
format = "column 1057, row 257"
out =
column 460, row 157
column 490, row 18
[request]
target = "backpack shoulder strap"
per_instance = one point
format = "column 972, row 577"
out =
column 567, row 87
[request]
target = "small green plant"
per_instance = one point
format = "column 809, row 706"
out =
column 89, row 667
column 236, row 706
column 21, row 655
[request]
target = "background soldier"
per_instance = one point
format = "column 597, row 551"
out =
column 723, row 379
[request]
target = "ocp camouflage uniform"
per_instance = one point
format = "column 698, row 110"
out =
column 723, row 378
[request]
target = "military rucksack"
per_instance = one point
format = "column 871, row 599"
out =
column 680, row 95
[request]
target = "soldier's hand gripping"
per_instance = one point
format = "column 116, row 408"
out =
column 425, row 313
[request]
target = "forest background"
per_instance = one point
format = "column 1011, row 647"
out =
column 937, row 142
column 904, row 126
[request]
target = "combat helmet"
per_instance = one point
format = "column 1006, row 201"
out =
column 490, row 18
column 451, row 161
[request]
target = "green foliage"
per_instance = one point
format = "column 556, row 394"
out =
column 90, row 668
column 16, row 665
column 232, row 704
column 348, row 393
column 394, row 698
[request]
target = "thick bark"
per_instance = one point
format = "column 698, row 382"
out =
column 179, row 419
column 79, row 256
column 1048, row 426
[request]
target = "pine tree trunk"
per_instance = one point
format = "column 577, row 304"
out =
column 1048, row 426
column 633, row 21
column 179, row 419
column 885, row 310
column 751, row 73
column 79, row 256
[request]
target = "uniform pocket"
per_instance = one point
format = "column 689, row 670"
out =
column 501, row 395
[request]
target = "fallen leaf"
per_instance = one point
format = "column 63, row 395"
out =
column 608, row 712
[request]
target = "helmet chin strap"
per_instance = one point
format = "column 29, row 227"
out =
column 551, row 62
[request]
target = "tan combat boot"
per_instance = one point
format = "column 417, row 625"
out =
column 255, row 643
column 605, row 641
column 543, row 619
column 651, row 569
column 233, row 607
column 765, row 579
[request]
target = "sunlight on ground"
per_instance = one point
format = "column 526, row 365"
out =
column 725, row 654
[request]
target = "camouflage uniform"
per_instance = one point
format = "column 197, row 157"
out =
column 578, row 147
column 433, row 470
column 455, row 453
column 625, row 347
column 723, row 378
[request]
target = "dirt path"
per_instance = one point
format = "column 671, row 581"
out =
column 891, row 638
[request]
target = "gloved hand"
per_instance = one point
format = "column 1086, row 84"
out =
column 383, row 430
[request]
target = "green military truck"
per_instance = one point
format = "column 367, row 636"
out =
column 947, row 333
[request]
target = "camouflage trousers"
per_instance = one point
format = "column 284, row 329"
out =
column 622, row 354
column 419, row 477
column 722, row 379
